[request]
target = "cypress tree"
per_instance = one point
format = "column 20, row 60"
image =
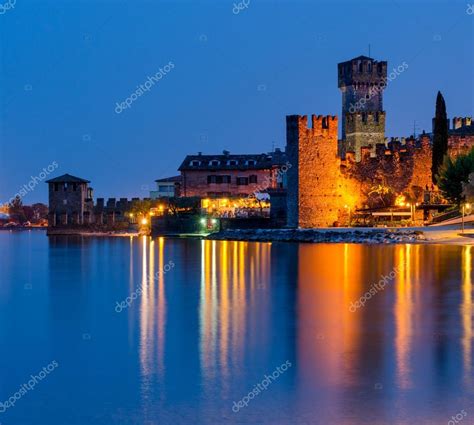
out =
column 440, row 136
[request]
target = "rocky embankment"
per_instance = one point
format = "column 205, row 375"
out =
column 370, row 236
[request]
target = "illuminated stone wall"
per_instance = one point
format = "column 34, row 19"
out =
column 322, row 187
column 316, row 188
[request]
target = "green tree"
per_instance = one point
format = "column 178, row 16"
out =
column 453, row 174
column 40, row 211
column 440, row 137
column 141, row 208
column 468, row 192
column 185, row 205
column 15, row 210
column 380, row 195
column 414, row 194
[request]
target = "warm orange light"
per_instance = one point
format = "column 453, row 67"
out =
column 130, row 214
column 400, row 201
column 161, row 207
column 144, row 221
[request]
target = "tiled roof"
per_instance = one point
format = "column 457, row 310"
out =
column 233, row 162
column 169, row 179
column 67, row 178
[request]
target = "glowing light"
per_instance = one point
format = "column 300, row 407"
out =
column 144, row 221
column 130, row 214
column 214, row 221
column 400, row 201
column 203, row 221
column 161, row 207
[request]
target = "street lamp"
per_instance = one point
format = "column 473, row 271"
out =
column 349, row 210
column 464, row 207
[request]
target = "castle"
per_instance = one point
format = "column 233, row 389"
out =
column 331, row 177
column 319, row 181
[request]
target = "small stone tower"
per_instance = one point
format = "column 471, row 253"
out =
column 70, row 201
column 362, row 81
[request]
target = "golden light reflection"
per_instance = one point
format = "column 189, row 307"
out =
column 228, row 271
column 466, row 312
column 404, row 311
column 152, row 299
column 323, row 350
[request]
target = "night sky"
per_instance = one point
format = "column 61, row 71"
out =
column 66, row 64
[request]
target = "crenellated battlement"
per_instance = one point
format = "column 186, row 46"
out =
column 321, row 125
column 364, row 118
column 459, row 122
column 123, row 204
column 361, row 70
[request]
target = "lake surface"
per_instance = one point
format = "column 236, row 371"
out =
column 212, row 321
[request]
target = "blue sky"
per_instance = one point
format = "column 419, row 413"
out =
column 65, row 64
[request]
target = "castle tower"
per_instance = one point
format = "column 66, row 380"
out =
column 313, row 193
column 362, row 81
column 70, row 200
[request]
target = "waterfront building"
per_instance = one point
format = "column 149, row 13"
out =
column 167, row 188
column 230, row 175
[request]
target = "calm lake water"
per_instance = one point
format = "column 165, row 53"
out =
column 221, row 316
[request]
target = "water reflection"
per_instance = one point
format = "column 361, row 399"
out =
column 466, row 313
column 255, row 306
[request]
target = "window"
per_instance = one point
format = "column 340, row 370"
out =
column 253, row 179
column 232, row 162
column 74, row 186
column 195, row 163
column 56, row 187
column 242, row 181
column 164, row 188
column 64, row 187
column 214, row 163
column 250, row 162
column 369, row 66
column 214, row 179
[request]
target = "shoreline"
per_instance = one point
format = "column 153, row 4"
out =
column 445, row 235
column 415, row 235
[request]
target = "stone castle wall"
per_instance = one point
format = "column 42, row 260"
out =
column 317, row 191
column 364, row 129
column 322, row 188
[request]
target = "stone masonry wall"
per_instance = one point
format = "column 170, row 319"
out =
column 315, row 190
